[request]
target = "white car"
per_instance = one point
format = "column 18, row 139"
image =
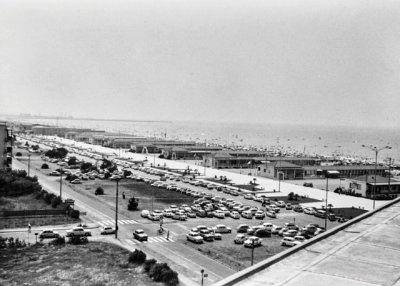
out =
column 48, row 233
column 268, row 225
column 219, row 214
column 144, row 213
column 194, row 237
column 235, row 215
column 247, row 214
column 107, row 230
column 240, row 239
column 289, row 241
column 221, row 228
column 259, row 215
column 78, row 231
column 253, row 241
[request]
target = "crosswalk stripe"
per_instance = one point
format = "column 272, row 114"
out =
column 121, row 222
column 126, row 221
column 130, row 241
column 155, row 239
column 101, row 223
column 132, row 221
column 110, row 222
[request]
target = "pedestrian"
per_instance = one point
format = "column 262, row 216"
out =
column 29, row 227
column 123, row 195
column 168, row 235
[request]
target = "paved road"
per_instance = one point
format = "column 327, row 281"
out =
column 185, row 260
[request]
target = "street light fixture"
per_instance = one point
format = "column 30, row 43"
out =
column 61, row 172
column 202, row 276
column 376, row 150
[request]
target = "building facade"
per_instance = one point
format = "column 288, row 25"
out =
column 5, row 147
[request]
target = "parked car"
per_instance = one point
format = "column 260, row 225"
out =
column 194, row 237
column 76, row 181
column 206, row 235
column 262, row 232
column 247, row 214
column 271, row 214
column 234, row 214
column 78, row 231
column 219, row 214
column 298, row 209
column 276, row 229
column 48, row 233
column 259, row 215
column 242, row 228
column 107, row 230
column 253, row 241
column 290, row 233
column 145, row 213
column 221, row 228
column 240, row 238
column 140, row 235
column 289, row 241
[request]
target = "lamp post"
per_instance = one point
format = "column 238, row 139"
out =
column 376, row 150
column 61, row 172
column 116, row 209
column 29, row 164
column 202, row 276
column 326, row 203
column 252, row 252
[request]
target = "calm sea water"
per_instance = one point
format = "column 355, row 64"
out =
column 321, row 140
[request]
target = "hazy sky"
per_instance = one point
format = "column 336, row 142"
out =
column 322, row 61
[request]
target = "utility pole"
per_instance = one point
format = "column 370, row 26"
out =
column 326, row 203
column 116, row 210
column 29, row 164
column 61, row 172
column 252, row 252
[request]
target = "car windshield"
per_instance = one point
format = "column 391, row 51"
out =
column 139, row 231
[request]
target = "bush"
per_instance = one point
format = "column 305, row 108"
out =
column 78, row 240
column 148, row 264
column 49, row 197
column 56, row 201
column 127, row 173
column 170, row 277
column 18, row 154
column 137, row 256
column 58, row 241
column 161, row 272
column 133, row 204
column 99, row 191
column 45, row 166
column 75, row 214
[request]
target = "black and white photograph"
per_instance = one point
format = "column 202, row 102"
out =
column 199, row 142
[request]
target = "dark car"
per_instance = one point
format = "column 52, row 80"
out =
column 263, row 232
column 201, row 213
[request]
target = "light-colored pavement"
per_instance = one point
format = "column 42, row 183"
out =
column 364, row 251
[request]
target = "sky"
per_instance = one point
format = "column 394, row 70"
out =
column 324, row 62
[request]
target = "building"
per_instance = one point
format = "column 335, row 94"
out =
column 5, row 147
column 365, row 185
column 228, row 159
column 290, row 171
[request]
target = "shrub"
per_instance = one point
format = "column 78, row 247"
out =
column 18, row 154
column 56, row 201
column 45, row 166
column 137, row 256
column 99, row 191
column 75, row 214
column 157, row 270
column 49, row 197
column 58, row 241
column 78, row 240
column 170, row 277
column 127, row 173
column 148, row 264
column 133, row 204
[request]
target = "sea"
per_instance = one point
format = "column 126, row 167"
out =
column 342, row 141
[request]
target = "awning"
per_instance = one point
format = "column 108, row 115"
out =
column 333, row 172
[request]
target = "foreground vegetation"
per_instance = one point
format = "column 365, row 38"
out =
column 46, row 264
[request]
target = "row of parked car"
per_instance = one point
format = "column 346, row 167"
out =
column 202, row 233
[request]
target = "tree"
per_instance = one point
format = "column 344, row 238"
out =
column 330, row 206
column 290, row 196
column 72, row 161
column 133, row 204
column 85, row 167
column 99, row 191
column 296, row 197
column 58, row 153
column 45, row 166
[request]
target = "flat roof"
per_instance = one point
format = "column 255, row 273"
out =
column 364, row 251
